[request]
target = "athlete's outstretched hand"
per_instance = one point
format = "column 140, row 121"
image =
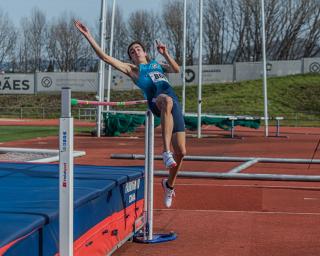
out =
column 162, row 49
column 82, row 28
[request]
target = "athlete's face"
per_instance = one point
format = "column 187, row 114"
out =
column 137, row 54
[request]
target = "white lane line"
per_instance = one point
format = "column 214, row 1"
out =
column 248, row 212
column 247, row 186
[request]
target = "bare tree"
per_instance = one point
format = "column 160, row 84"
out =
column 144, row 26
column 121, row 37
column 294, row 16
column 272, row 24
column 232, row 32
column 240, row 20
column 312, row 36
column 23, row 54
column 66, row 46
column 233, row 29
column 229, row 32
column 291, row 25
column 227, row 24
column 214, row 21
column 8, row 37
column 35, row 32
column 192, row 32
column 173, row 26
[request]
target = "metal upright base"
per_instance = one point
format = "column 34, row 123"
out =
column 146, row 236
column 156, row 238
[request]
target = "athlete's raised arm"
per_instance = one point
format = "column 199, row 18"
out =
column 172, row 66
column 126, row 68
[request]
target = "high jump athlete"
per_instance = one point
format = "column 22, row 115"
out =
column 149, row 76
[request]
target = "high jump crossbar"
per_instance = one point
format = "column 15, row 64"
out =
column 66, row 202
column 75, row 102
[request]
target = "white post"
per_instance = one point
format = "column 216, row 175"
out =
column 146, row 177
column 111, row 51
column 200, row 67
column 266, row 118
column 101, row 66
column 184, row 56
column 150, row 174
column 66, row 176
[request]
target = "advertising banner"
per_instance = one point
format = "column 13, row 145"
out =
column 17, row 84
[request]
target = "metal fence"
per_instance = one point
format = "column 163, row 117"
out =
column 45, row 113
column 89, row 114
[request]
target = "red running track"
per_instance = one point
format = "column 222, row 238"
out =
column 225, row 217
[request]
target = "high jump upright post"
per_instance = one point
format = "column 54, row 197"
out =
column 200, row 67
column 264, row 68
column 111, row 51
column 148, row 236
column 149, row 172
column 101, row 66
column 184, row 56
column 66, row 175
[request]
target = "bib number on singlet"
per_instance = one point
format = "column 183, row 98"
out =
column 157, row 77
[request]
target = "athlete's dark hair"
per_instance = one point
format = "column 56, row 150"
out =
column 142, row 46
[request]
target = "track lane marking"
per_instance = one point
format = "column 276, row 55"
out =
column 247, row 186
column 248, row 212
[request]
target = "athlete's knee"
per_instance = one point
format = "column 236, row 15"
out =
column 166, row 103
column 181, row 153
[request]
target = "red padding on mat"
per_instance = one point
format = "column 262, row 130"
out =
column 103, row 237
column 7, row 247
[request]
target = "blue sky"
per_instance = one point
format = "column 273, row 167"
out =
column 87, row 10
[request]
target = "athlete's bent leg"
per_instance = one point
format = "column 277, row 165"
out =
column 164, row 104
column 178, row 143
column 179, row 149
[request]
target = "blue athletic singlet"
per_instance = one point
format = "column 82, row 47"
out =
column 153, row 82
